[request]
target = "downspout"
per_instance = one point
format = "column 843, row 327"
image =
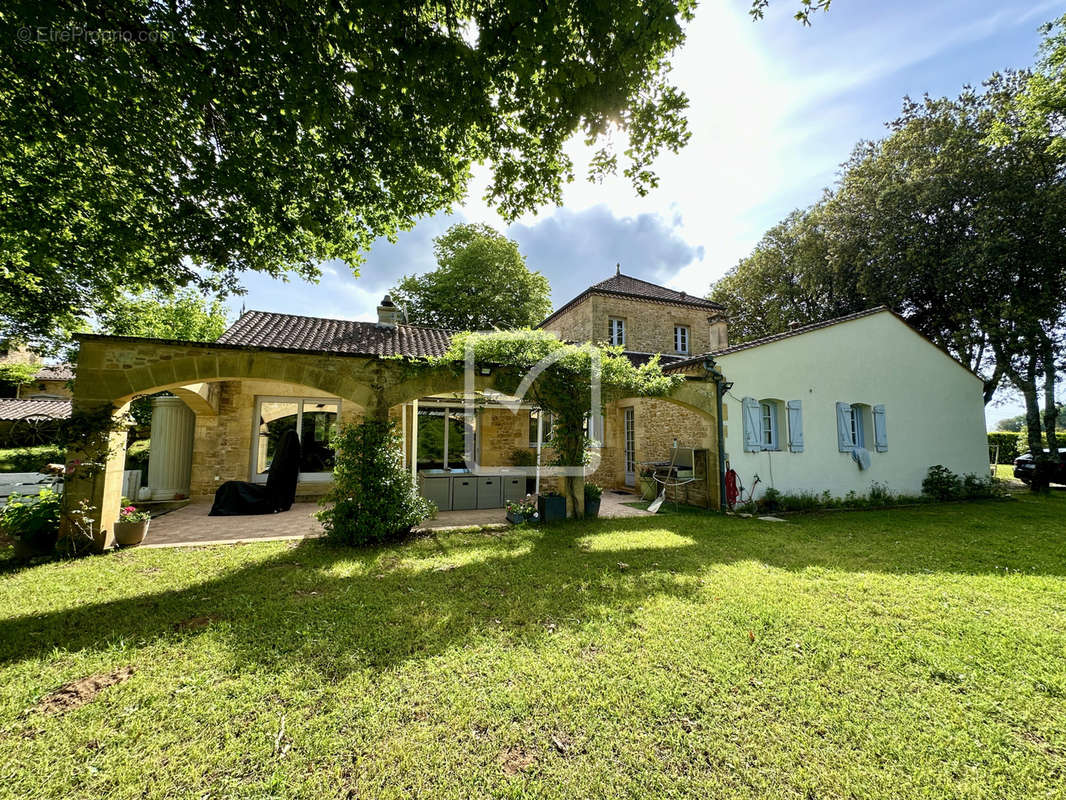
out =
column 721, row 387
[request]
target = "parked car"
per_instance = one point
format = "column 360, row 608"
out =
column 1024, row 466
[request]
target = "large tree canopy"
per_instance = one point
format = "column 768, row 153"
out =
column 1043, row 103
column 222, row 137
column 481, row 282
column 960, row 230
column 148, row 144
column 186, row 315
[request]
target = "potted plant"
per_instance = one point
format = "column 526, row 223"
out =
column 32, row 523
column 593, row 493
column 551, row 506
column 132, row 525
column 522, row 510
column 648, row 488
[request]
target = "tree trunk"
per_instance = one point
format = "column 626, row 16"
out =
column 1051, row 410
column 574, row 492
column 1034, row 433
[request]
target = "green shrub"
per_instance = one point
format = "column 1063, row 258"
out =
column 941, row 483
column 137, row 454
column 770, row 500
column 879, row 495
column 374, row 498
column 975, row 487
column 34, row 522
column 800, row 501
column 1010, row 445
column 593, row 492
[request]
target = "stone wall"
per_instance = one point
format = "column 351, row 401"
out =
column 501, row 433
column 649, row 326
column 53, row 388
column 657, row 423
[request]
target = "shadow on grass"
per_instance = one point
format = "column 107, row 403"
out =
column 336, row 610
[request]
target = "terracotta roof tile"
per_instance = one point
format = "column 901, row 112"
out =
column 11, row 409
column 634, row 288
column 347, row 337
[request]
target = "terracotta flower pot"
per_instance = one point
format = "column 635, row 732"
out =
column 128, row 534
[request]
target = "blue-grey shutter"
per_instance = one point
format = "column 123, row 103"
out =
column 795, row 426
column 844, row 427
column 752, row 425
column 880, row 431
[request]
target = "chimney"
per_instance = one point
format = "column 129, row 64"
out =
column 388, row 313
column 719, row 334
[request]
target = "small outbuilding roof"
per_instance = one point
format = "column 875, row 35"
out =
column 292, row 332
column 12, row 409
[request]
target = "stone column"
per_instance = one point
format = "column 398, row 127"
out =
column 170, row 457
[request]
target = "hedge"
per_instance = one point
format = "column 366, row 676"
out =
column 1011, row 445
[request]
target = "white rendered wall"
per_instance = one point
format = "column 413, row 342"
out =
column 933, row 407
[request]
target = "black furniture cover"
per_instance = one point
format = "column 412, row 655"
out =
column 241, row 498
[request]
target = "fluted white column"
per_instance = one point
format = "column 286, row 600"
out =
column 170, row 457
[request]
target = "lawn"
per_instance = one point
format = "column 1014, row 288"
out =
column 916, row 652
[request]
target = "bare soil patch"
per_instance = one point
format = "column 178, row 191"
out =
column 77, row 693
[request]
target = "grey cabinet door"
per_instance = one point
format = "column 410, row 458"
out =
column 489, row 494
column 438, row 490
column 514, row 487
column 464, row 493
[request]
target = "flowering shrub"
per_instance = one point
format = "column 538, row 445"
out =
column 525, row 508
column 131, row 514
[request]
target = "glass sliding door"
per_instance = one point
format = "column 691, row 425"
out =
column 442, row 437
column 431, row 437
column 313, row 419
column 276, row 417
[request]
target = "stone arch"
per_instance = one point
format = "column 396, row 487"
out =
column 114, row 370
column 699, row 398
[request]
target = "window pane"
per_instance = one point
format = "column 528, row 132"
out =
column 319, row 421
column 274, row 419
column 430, row 438
column 457, row 455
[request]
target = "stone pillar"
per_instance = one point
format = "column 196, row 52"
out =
column 170, row 457
column 93, row 488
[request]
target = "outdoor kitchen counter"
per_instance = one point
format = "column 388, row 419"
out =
column 458, row 490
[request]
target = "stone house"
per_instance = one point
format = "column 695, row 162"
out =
column 470, row 446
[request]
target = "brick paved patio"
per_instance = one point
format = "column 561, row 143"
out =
column 191, row 525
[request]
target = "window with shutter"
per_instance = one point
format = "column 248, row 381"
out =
column 795, row 426
column 880, row 430
column 752, row 424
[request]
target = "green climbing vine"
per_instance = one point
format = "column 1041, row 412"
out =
column 563, row 387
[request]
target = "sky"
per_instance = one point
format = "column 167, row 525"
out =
column 775, row 108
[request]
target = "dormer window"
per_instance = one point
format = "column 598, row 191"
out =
column 616, row 331
column 681, row 338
